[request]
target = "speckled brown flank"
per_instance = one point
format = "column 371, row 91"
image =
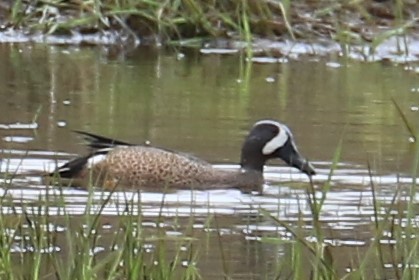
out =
column 150, row 168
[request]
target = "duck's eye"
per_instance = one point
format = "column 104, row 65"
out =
column 274, row 131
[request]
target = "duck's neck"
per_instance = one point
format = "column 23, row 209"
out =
column 249, row 180
column 252, row 164
column 251, row 157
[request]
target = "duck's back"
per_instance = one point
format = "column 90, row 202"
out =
column 148, row 167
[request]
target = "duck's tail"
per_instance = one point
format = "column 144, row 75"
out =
column 97, row 142
column 75, row 166
column 67, row 170
column 71, row 168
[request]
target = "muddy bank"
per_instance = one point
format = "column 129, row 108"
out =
column 365, row 30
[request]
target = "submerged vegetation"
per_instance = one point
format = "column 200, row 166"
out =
column 170, row 21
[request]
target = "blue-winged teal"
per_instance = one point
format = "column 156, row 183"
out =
column 114, row 163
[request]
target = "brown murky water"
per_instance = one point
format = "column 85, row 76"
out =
column 204, row 105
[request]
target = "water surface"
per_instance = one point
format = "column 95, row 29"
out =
column 204, row 105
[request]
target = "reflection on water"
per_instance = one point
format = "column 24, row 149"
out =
column 204, row 105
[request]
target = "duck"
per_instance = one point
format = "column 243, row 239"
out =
column 113, row 164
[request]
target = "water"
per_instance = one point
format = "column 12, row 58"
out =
column 204, row 105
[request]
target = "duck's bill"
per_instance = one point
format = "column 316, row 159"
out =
column 293, row 158
column 302, row 164
column 305, row 166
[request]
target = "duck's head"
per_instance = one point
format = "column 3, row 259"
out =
column 270, row 139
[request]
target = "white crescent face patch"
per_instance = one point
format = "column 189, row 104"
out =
column 279, row 140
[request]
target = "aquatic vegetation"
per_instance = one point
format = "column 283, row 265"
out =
column 170, row 21
column 38, row 244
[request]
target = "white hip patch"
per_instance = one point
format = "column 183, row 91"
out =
column 95, row 160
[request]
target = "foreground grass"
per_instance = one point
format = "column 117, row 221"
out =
column 39, row 243
column 162, row 21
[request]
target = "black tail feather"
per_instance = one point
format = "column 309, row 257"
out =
column 72, row 168
column 99, row 142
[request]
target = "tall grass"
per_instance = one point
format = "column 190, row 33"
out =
column 392, row 253
column 173, row 20
column 37, row 243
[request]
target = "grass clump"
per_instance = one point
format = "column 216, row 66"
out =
column 173, row 20
column 37, row 243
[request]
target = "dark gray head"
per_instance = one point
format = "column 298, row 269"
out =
column 270, row 139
